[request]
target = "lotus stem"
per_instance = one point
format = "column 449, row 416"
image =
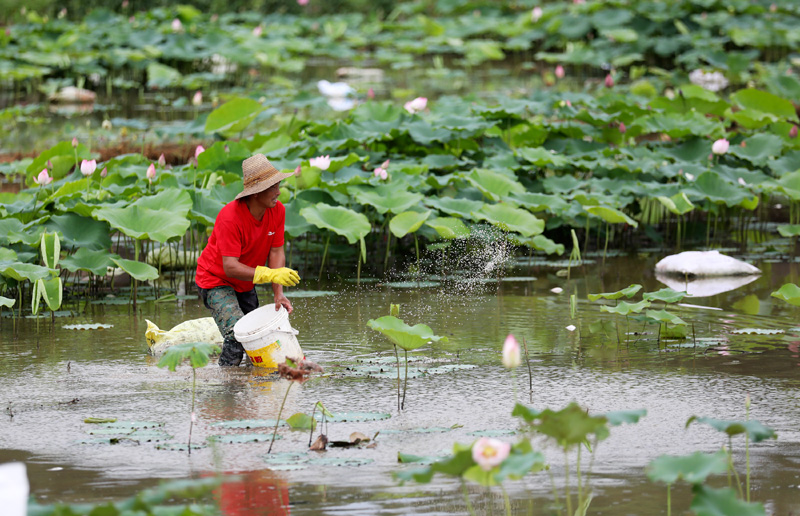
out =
column 466, row 498
column 311, row 435
column 136, row 245
column 669, row 499
column 747, row 453
column 567, row 493
column 191, row 420
column 397, row 356
column 405, row 383
column 530, row 372
column 578, row 472
column 605, row 247
column 506, row 500
column 324, row 255
column 388, row 246
column 416, row 246
column 278, row 420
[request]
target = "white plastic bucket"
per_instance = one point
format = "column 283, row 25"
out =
column 267, row 336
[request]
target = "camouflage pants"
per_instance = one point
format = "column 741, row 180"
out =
column 227, row 307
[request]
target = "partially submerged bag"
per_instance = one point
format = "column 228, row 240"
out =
column 195, row 330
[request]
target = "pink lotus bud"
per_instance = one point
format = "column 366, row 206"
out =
column 104, row 173
column 321, row 162
column 257, row 31
column 131, row 19
column 560, row 72
column 622, row 128
column 298, row 170
column 43, row 179
column 162, row 160
column 226, row 149
column 197, row 99
column 568, row 103
column 124, row 4
column 536, row 14
column 378, row 172
column 720, row 146
column 74, row 143
column 384, row 175
column 62, row 13
column 88, row 167
column 418, row 104
column 49, row 165
column 302, row 2
column 742, row 181
column 177, row 26
column 743, row 144
column 151, row 172
column 773, row 8
column 385, row 164
column 370, row 94
column 198, row 151
column 511, row 353
column 488, row 452
column 793, row 132
column 609, row 81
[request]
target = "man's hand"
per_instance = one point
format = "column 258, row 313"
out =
column 280, row 300
column 282, row 276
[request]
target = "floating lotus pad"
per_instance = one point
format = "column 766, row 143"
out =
column 293, row 461
column 311, row 293
column 182, row 447
column 247, row 423
column 420, row 430
column 132, row 425
column 242, row 438
column 492, row 433
column 354, row 417
column 411, row 284
column 757, row 331
column 88, row 326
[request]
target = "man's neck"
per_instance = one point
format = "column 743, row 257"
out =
column 256, row 209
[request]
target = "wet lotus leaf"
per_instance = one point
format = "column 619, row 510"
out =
column 404, row 336
column 310, row 293
column 286, row 458
column 247, row 423
column 243, row 438
column 355, row 417
column 133, row 425
column 301, row 421
column 624, row 308
column 149, row 436
column 336, row 461
column 179, row 446
column 407, row 458
column 412, row 284
column 662, row 316
column 708, row 501
column 448, row 368
column 91, row 326
column 619, row 417
column 756, row 331
column 628, row 292
column 666, row 295
column 492, row 433
column 111, row 431
column 789, row 293
column 109, row 440
column 386, row 371
column 57, row 313
column 754, row 429
column 420, row 430
column 694, row 468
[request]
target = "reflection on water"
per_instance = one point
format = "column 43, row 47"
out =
column 55, row 378
column 706, row 287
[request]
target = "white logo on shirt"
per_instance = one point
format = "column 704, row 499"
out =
column 270, row 233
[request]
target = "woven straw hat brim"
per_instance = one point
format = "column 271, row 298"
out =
column 258, row 174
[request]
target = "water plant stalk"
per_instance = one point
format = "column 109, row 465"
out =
column 191, row 420
column 278, row 419
column 397, row 357
column 470, row 508
column 324, row 255
column 405, row 383
column 747, row 448
column 530, row 372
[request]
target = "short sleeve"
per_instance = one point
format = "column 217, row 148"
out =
column 229, row 237
column 280, row 224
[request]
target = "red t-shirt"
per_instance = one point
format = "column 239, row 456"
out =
column 237, row 233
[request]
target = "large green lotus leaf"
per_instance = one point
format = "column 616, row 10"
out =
column 386, row 198
column 8, row 255
column 619, row 417
column 422, row 132
column 628, row 292
column 144, row 223
column 233, row 116
column 171, row 199
column 13, row 231
column 694, row 468
column 70, row 190
column 309, row 178
column 678, row 204
column 460, row 207
column 509, row 218
column 664, row 317
column 759, row 148
column 540, row 156
column 540, row 202
column 449, row 227
column 571, row 425
column 6, row 302
column 624, row 308
column 295, row 224
column 755, row 431
column 710, row 185
column 24, row 271
column 788, row 184
column 789, row 293
column 611, row 216
column 708, row 501
column 407, row 222
column 758, row 100
column 85, row 259
column 678, row 125
column 343, row 221
column 51, row 290
column 301, row 421
column 50, row 249
column 161, row 76
column 197, row 352
column 138, row 270
column 204, row 207
column 80, row 232
column 666, row 295
column 224, row 155
column 750, row 118
column 493, row 185
column 404, row 336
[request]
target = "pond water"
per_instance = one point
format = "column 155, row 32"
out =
column 53, row 378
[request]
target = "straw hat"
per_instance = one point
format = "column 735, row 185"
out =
column 259, row 174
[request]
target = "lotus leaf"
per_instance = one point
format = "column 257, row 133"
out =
column 24, row 271
column 755, row 431
column 85, row 259
column 62, row 158
column 91, row 326
column 80, row 232
column 233, row 116
column 406, row 337
column 789, row 293
column 493, row 185
column 628, row 292
column 243, row 438
column 449, row 227
column 6, row 302
column 662, row 316
column 759, row 149
column 50, row 249
column 459, row 207
column 708, row 501
column 170, row 199
column 247, row 423
column 694, row 468
column 353, row 417
column 540, row 157
column 197, row 352
column 343, row 221
column 138, row 270
column 678, row 204
column 162, row 76
column 145, row 223
column 386, row 198
column 51, row 291
column 611, row 216
column 301, row 421
column 789, row 230
column 407, row 222
column 762, row 101
column 624, row 308
column 509, row 218
column 666, row 295
column 619, row 417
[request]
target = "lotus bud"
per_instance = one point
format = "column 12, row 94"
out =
column 511, row 352
column 773, row 8
column 197, row 99
column 257, row 31
column 793, row 132
column 106, row 125
column 198, row 151
column 177, row 26
column 385, row 164
column 162, row 160
column 536, row 14
column 74, row 143
column 88, row 167
column 62, row 13
column 321, row 162
column 488, row 452
column 742, row 181
column 622, row 127
column 226, row 149
column 747, row 401
column 689, row 176
column 394, row 310
column 384, row 175
column 370, row 94
column 49, row 165
column 416, row 105
column 720, row 146
column 104, row 173
column 151, row 172
column 124, row 4
column 298, row 170
column 43, row 179
column 560, row 72
column 302, row 2
column 609, row 81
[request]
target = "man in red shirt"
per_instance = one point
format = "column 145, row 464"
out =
column 248, row 233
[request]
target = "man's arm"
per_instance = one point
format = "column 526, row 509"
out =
column 235, row 269
column 277, row 259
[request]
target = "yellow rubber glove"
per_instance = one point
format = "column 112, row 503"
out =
column 283, row 276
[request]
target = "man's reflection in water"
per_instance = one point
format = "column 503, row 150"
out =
column 255, row 493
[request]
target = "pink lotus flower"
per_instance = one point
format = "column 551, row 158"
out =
column 124, row 4
column 511, row 353
column 370, row 94
column 385, row 164
column 198, row 151
column 302, row 2
column 197, row 99
column 416, row 105
column 258, row 31
column 321, row 162
column 43, row 179
column 151, row 172
column 104, row 173
column 720, row 146
column 177, row 26
column 609, row 81
column 381, row 172
column 536, row 14
column 560, row 72
column 622, row 127
column 88, row 167
column 74, row 143
column 489, row 453
column 298, row 170
column 793, row 132
column 162, row 160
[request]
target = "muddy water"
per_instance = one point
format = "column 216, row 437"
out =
column 53, row 378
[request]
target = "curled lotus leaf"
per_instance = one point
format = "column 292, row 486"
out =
column 509, row 218
column 755, row 431
column 624, row 308
column 342, row 221
column 789, row 293
column 666, row 295
column 404, row 336
column 627, row 292
column 708, row 501
column 611, row 215
column 694, row 468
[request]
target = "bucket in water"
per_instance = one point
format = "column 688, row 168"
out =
column 267, row 336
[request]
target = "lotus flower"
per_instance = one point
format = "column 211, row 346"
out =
column 88, row 167
column 370, row 94
column 197, row 99
column 793, row 132
column 556, row 290
column 560, row 72
column 321, row 162
column 488, row 452
column 104, row 173
column 258, row 31
column 177, row 26
column 385, row 164
column 162, row 161
column 609, row 81
column 334, row 89
column 106, row 125
column 298, row 170
column 198, row 151
column 382, row 173
column 711, row 81
column 536, row 14
column 742, row 181
column 43, row 179
column 151, row 172
column 511, row 354
column 302, row 2
column 74, row 143
column 418, row 104
column 720, row 146
column 622, row 128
